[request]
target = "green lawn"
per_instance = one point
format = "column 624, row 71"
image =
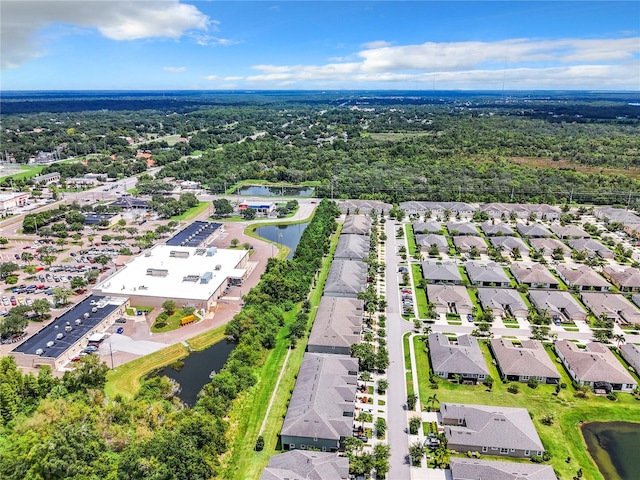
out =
column 562, row 439
column 193, row 212
column 411, row 241
column 420, row 294
column 172, row 323
column 27, row 172
column 407, row 363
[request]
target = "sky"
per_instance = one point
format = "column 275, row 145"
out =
column 319, row 45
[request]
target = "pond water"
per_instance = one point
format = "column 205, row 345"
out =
column 265, row 191
column 614, row 448
column 288, row 235
column 197, row 370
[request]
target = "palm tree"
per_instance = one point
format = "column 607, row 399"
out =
column 619, row 338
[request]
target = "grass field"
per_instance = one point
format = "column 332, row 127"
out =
column 411, row 241
column 420, row 294
column 125, row 380
column 206, row 339
column 23, row 171
column 193, row 212
column 242, row 462
column 562, row 439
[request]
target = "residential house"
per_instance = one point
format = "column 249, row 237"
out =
column 594, row 366
column 533, row 275
column 626, row 279
column 476, row 469
column 307, row 465
column 462, row 228
column 615, row 306
column 356, row 225
column 504, row 302
column 492, row 230
column 450, row 299
column 612, row 214
column 441, row 273
column 632, row 229
column 425, row 242
column 631, row 353
column 592, row 247
column 533, row 230
column 337, row 325
column 487, row 275
column 346, row 278
column 321, row 410
column 466, row 243
column 352, row 247
column 508, row 244
column 524, row 361
column 560, row 305
column 547, row 245
column 462, row 358
column 426, row 227
column 490, row 430
column 364, row 206
column 636, row 299
column 521, row 210
column 437, row 208
column 568, row 232
column 582, row 277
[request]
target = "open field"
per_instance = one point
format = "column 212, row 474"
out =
column 562, row 439
column 193, row 212
column 20, row 171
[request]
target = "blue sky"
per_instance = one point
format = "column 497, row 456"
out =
column 424, row 45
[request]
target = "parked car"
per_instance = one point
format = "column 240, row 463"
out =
column 16, row 256
column 14, row 302
column 5, row 301
column 120, row 330
column 29, row 301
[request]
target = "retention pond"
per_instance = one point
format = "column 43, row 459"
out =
column 265, row 191
column 614, row 448
column 197, row 370
column 288, row 235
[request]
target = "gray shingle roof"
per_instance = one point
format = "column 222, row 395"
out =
column 496, row 229
column 581, row 275
column 426, row 240
column 529, row 358
column 356, row 225
column 444, row 295
column 365, row 206
column 569, row 231
column 325, row 389
column 463, row 358
column 509, row 243
column 352, row 246
column 338, row 322
column 625, row 276
column 306, row 465
column 533, row 273
column 346, row 277
column 548, row 245
column 631, row 353
column 615, row 306
column 475, row 469
column 501, row 427
column 595, row 363
column 501, row 298
column 490, row 272
column 426, row 227
column 557, row 303
column 441, row 271
column 593, row 247
column 463, row 228
column 466, row 242
column 533, row 230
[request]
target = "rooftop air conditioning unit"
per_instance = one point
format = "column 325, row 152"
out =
column 39, row 351
column 94, row 309
column 50, row 343
column 78, row 321
column 86, row 315
column 59, row 336
column 68, row 328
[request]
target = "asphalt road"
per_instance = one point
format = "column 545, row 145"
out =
column 397, row 434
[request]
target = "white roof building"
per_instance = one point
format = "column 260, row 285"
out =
column 187, row 275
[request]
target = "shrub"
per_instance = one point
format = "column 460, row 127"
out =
column 533, row 383
column 513, row 388
column 259, row 444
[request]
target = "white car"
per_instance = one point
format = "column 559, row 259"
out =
column 5, row 301
column 29, row 301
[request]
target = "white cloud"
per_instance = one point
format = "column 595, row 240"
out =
column 232, row 78
column 175, row 69
column 376, row 44
column 211, row 41
column 521, row 63
column 210, row 77
column 116, row 20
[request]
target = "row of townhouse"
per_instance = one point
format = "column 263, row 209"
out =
column 494, row 210
column 321, row 412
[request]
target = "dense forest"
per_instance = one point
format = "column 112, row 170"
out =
column 536, row 148
column 68, row 428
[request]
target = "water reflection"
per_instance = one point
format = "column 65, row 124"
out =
column 265, row 191
column 614, row 447
column 288, row 235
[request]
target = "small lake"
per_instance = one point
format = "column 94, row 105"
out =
column 288, row 235
column 265, row 191
column 614, row 448
column 196, row 370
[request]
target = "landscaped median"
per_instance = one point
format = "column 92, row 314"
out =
column 562, row 438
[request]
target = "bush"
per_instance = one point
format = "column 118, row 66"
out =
column 513, row 388
column 259, row 444
column 533, row 383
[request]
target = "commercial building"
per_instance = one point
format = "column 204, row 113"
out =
column 64, row 338
column 188, row 275
column 13, row 200
column 196, row 234
column 261, row 206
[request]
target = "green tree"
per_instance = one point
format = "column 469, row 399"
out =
column 169, row 307
column 222, row 207
column 416, row 453
column 88, row 373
